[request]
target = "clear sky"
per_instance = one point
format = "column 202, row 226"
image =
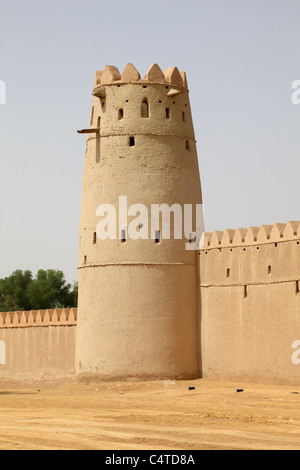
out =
column 241, row 58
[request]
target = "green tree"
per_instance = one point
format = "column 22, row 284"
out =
column 13, row 291
column 48, row 289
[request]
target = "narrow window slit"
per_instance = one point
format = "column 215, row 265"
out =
column 145, row 109
column 123, row 236
column 168, row 113
column 98, row 151
column 269, row 270
column 92, row 116
column 120, row 114
column 131, row 141
column 157, row 236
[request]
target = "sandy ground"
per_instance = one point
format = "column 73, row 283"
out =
column 161, row 415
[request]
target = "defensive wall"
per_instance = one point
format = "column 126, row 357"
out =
column 249, row 314
column 38, row 344
column 249, row 296
column 149, row 308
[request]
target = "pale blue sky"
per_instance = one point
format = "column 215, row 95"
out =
column 241, row 57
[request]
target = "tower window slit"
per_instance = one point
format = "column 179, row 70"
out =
column 95, row 238
column 228, row 272
column 269, row 270
column 131, row 141
column 92, row 116
column 183, row 116
column 145, row 109
column 187, row 145
column 98, row 155
column 297, row 287
column 245, row 292
column 157, row 236
column 123, row 236
column 120, row 114
column 168, row 113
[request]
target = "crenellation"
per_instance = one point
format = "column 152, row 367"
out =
column 111, row 76
column 98, row 76
column 239, row 237
column 216, row 239
column 155, row 74
column 292, row 230
column 205, row 240
column 36, row 318
column 130, row 74
column 277, row 232
column 227, row 237
column 173, row 76
column 251, row 235
column 270, row 254
column 184, row 79
column 265, row 234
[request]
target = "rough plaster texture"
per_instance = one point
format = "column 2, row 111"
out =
column 137, row 311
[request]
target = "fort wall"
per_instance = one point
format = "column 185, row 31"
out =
column 250, row 303
column 38, row 344
column 149, row 308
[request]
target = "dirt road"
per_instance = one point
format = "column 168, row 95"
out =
column 161, row 415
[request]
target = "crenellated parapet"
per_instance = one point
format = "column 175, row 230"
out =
column 32, row 318
column 249, row 289
column 240, row 237
column 111, row 76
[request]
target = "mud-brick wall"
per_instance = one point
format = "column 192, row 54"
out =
column 38, row 344
column 250, row 304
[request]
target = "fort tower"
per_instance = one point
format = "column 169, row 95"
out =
column 137, row 311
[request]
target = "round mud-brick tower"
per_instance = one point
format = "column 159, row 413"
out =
column 137, row 306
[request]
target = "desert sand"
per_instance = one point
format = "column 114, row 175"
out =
column 158, row 415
